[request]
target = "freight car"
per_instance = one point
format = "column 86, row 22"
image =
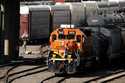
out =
column 81, row 11
column 37, row 21
column 113, row 28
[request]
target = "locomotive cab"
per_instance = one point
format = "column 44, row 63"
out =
column 66, row 45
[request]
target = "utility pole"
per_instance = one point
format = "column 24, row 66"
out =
column 11, row 28
column 1, row 31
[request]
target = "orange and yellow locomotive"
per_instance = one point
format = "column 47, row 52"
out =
column 67, row 45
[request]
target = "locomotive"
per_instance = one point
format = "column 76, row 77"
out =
column 71, row 48
column 66, row 44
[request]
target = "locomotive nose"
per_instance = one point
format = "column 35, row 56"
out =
column 71, row 45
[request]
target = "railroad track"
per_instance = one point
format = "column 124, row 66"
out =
column 54, row 79
column 107, row 77
column 11, row 75
column 15, row 73
column 41, row 71
column 15, row 64
column 9, row 65
column 15, row 76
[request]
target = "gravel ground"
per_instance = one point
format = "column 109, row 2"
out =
column 46, row 76
column 35, row 78
column 38, row 77
column 33, row 51
column 2, row 73
column 120, row 80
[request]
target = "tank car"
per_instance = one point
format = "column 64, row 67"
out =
column 117, row 19
column 77, row 13
column 81, row 11
column 112, row 27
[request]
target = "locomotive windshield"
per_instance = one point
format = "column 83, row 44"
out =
column 69, row 36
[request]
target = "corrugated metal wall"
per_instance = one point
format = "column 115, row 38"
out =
column 39, row 23
column 60, row 15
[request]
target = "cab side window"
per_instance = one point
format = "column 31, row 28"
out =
column 53, row 37
column 78, row 38
column 70, row 36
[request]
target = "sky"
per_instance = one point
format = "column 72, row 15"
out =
column 117, row 0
